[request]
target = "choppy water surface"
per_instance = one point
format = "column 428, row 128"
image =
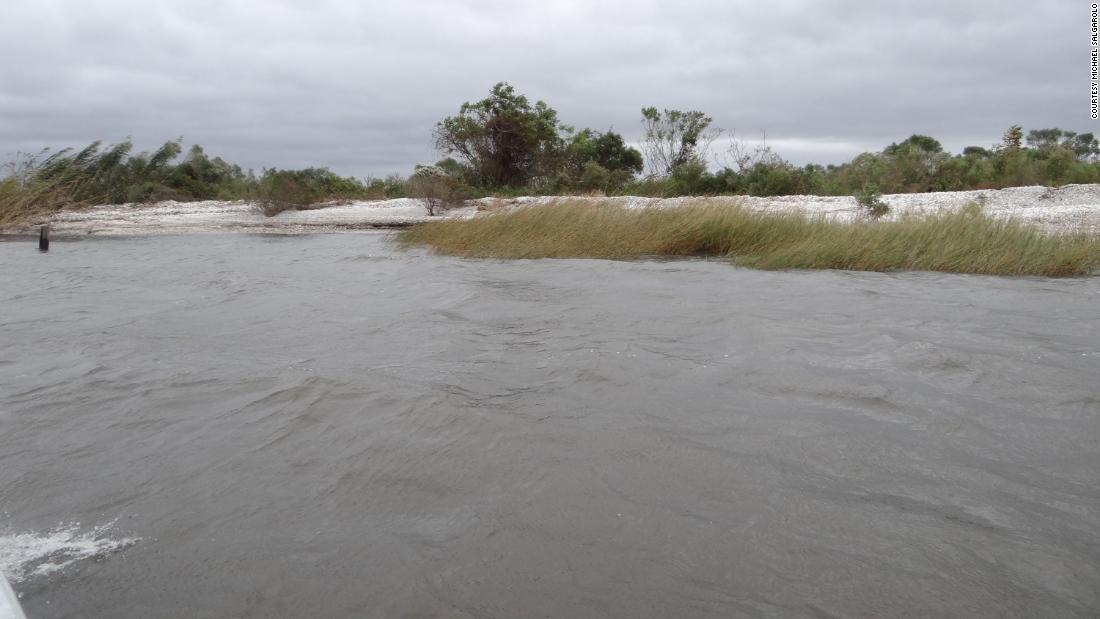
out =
column 329, row 426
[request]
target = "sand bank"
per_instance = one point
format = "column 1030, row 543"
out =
column 1073, row 207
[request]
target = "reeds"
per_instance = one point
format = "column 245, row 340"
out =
column 962, row 241
column 33, row 186
column 36, row 185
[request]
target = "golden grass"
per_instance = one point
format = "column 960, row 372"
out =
column 963, row 241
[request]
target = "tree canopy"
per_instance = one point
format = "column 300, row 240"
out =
column 506, row 141
column 608, row 149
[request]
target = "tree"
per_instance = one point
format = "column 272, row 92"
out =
column 451, row 166
column 1084, row 146
column 674, row 138
column 1011, row 162
column 978, row 152
column 916, row 160
column 201, row 177
column 613, row 154
column 1046, row 139
column 1013, row 138
column 746, row 158
column 506, row 141
column 918, row 142
column 867, row 168
column 609, row 150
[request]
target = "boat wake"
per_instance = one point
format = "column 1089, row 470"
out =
column 27, row 555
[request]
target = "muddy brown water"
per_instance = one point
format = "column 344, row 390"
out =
column 332, row 426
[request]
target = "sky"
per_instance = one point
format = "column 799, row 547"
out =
column 358, row 86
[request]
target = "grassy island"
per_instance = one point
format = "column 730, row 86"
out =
column 962, row 241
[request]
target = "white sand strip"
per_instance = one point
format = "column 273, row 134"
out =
column 1069, row 208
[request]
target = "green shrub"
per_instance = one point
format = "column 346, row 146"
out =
column 392, row 186
column 594, row 177
column 870, row 201
column 438, row 189
column 281, row 190
column 689, row 178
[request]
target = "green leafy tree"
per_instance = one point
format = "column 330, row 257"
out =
column 506, row 141
column 915, row 162
column 921, row 143
column 613, row 154
column 609, row 150
column 977, row 151
column 865, row 168
column 674, row 138
column 453, row 167
column 202, row 178
column 1011, row 163
column 1044, row 142
column 1046, row 139
column 1085, row 146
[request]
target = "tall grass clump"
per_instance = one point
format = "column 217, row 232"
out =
column 34, row 185
column 963, row 241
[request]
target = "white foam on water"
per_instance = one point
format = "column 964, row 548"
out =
column 26, row 555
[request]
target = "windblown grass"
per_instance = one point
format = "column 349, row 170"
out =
column 962, row 241
column 36, row 185
column 19, row 203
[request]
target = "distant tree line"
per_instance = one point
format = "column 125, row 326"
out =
column 505, row 145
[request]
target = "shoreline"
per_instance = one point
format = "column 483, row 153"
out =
column 1071, row 208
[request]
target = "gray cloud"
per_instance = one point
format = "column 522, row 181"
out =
column 357, row 86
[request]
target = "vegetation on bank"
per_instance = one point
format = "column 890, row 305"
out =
column 504, row 145
column 963, row 241
column 35, row 185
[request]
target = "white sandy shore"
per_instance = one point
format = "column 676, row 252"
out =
column 216, row 216
column 1073, row 207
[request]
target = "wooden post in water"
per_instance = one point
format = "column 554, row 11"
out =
column 44, row 238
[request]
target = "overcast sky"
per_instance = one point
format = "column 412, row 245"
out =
column 358, row 86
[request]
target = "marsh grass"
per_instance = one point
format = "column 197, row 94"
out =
column 963, row 241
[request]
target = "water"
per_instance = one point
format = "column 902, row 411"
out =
column 330, row 426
